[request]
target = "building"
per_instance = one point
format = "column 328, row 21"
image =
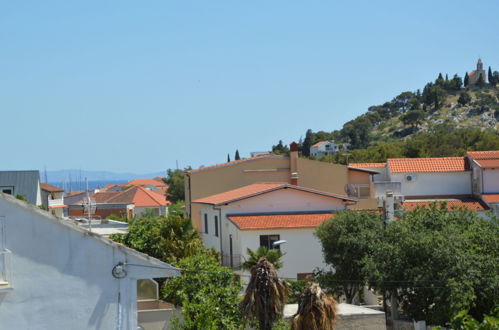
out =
column 261, row 214
column 471, row 182
column 474, row 75
column 53, row 198
column 56, row 275
column 322, row 176
column 134, row 201
column 25, row 183
column 324, row 148
column 485, row 176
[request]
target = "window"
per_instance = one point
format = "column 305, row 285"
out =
column 268, row 240
column 216, row 226
column 7, row 190
column 206, row 223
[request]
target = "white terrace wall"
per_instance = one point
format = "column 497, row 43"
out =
column 62, row 276
column 441, row 183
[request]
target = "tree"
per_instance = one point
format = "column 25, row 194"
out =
column 480, row 82
column 456, row 83
column 316, row 310
column 273, row 256
column 176, row 187
column 413, row 117
column 307, row 143
column 237, row 157
column 466, row 80
column 464, row 98
column 228, row 158
column 440, row 80
column 439, row 262
column 348, row 241
column 207, row 292
column 265, row 296
column 165, row 238
column 280, row 149
column 490, row 76
column 495, row 79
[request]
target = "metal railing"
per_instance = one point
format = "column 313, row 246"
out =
column 359, row 190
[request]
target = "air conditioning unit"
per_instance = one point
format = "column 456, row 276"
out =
column 410, row 177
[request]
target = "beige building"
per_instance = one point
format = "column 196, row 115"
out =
column 328, row 177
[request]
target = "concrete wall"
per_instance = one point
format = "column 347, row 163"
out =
column 303, row 251
column 441, row 183
column 322, row 176
column 62, row 275
column 490, row 181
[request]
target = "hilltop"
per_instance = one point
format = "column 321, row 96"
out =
column 465, row 109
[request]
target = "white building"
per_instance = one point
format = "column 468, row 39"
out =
column 485, row 176
column 56, row 275
column 25, row 183
column 263, row 213
column 325, row 148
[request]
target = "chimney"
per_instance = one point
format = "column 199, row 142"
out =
column 293, row 159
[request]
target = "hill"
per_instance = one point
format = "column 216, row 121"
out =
column 447, row 118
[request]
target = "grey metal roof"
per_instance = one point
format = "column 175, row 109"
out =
column 26, row 183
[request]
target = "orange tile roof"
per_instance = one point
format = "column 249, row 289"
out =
column 279, row 221
column 235, row 162
column 413, row 165
column 104, row 196
column 319, row 143
column 491, row 198
column 489, row 154
column 50, row 188
column 362, row 165
column 147, row 182
column 488, row 163
column 467, row 203
column 258, row 189
column 139, row 197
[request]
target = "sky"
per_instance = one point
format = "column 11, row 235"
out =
column 139, row 86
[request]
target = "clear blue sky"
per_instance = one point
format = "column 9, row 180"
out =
column 136, row 85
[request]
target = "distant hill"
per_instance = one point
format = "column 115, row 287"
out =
column 451, row 105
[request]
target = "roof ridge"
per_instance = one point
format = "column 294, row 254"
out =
column 268, row 155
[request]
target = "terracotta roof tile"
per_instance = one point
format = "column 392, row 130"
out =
column 50, row 188
column 488, row 163
column 104, row 196
column 275, row 221
column 319, row 143
column 363, row 165
column 413, row 165
column 489, row 154
column 139, row 197
column 147, row 182
column 467, row 203
column 491, row 198
column 258, row 189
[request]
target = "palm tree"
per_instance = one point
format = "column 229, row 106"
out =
column 316, row 310
column 273, row 256
column 265, row 295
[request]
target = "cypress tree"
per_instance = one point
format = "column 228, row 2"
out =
column 491, row 77
column 466, row 80
column 237, row 155
column 480, row 82
column 228, row 158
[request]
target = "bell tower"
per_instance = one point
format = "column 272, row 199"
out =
column 479, row 65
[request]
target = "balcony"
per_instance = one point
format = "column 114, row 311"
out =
column 5, row 271
column 358, row 190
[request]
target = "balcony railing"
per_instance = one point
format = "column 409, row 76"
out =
column 56, row 202
column 5, row 270
column 359, row 190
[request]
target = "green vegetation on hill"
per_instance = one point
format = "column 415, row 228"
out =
column 445, row 119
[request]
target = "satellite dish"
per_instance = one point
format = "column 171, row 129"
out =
column 350, row 189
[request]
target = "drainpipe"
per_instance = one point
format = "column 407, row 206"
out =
column 293, row 160
column 220, row 230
